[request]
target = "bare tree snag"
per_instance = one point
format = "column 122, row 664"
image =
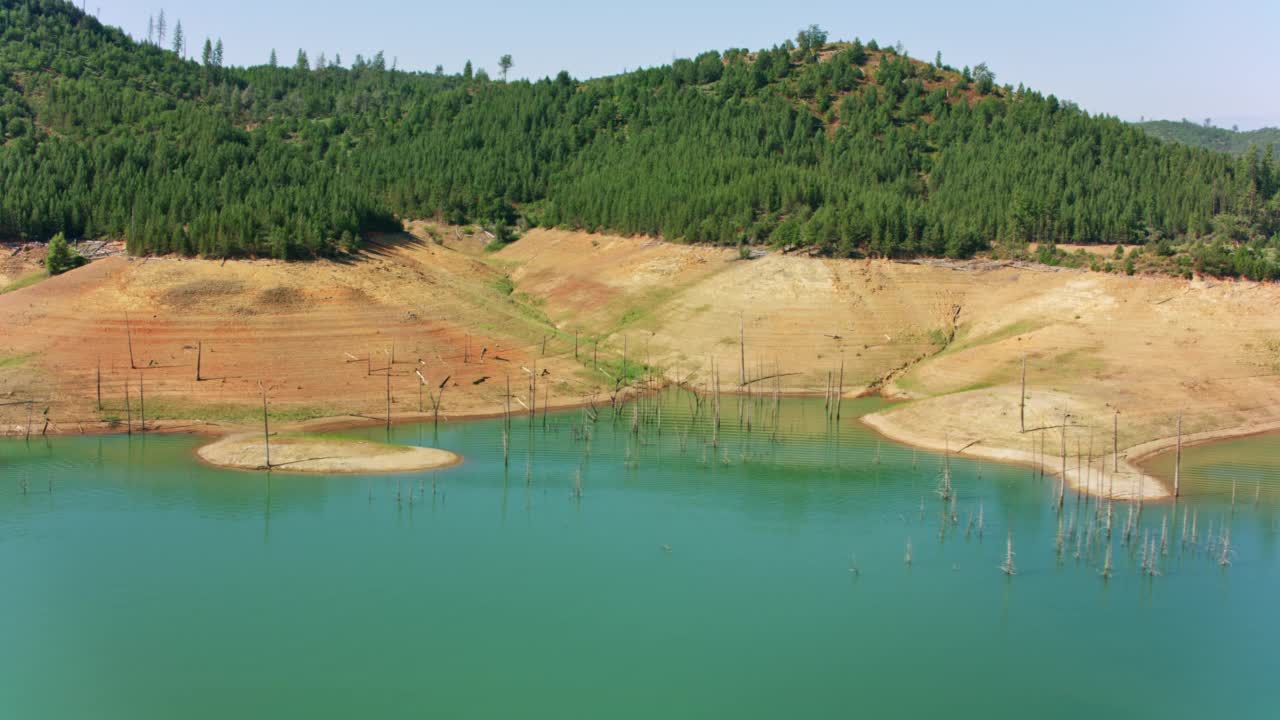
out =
column 128, row 332
column 1177, row 461
column 1062, row 489
column 266, row 428
column 840, row 391
column 742, row 353
column 1115, row 442
column 1022, row 397
column 438, row 401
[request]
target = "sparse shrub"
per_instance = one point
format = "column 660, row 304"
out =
column 504, row 285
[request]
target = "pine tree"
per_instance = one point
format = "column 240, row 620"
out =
column 60, row 257
column 179, row 42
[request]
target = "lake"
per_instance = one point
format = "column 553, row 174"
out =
column 609, row 572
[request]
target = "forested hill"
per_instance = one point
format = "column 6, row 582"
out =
column 1206, row 136
column 851, row 148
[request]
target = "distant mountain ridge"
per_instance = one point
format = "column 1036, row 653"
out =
column 850, row 148
column 1234, row 142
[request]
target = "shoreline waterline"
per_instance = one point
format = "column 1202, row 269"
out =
column 1123, row 486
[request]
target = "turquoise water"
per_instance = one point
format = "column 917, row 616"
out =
column 685, row 581
column 1249, row 467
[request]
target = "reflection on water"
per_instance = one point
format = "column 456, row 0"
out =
column 1248, row 466
column 624, row 566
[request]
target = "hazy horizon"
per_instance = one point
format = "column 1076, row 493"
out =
column 1125, row 60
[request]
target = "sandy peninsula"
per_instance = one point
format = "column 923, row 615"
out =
column 312, row 454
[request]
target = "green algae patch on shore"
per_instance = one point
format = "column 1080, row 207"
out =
column 319, row 454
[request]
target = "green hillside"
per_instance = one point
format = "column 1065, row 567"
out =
column 1213, row 138
column 852, row 148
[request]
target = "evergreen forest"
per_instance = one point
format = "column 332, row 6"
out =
column 849, row 148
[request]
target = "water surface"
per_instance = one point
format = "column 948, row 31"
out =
column 686, row 580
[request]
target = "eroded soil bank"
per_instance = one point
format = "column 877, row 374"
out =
column 1119, row 357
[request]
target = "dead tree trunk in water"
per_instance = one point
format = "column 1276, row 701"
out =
column 142, row 402
column 1062, row 489
column 266, row 428
column 98, row 381
column 506, row 427
column 1177, row 461
column 742, row 353
column 826, row 398
column 388, row 395
column 840, row 391
column 533, row 393
column 1007, row 566
column 128, row 408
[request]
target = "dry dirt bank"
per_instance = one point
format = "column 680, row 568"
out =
column 951, row 339
column 319, row 335
column 948, row 337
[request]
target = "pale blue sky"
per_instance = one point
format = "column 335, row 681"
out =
column 1131, row 58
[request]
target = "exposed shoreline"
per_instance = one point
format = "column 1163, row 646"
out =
column 325, row 424
column 1145, row 452
column 1126, row 483
column 302, row 454
column 1123, row 485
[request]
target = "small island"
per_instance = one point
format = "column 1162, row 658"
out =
column 315, row 454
